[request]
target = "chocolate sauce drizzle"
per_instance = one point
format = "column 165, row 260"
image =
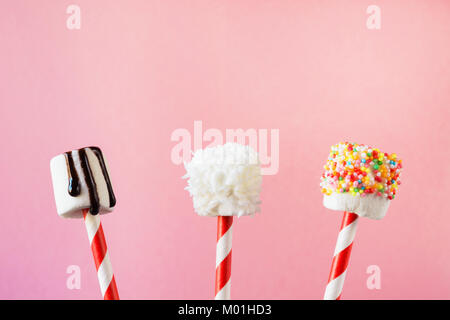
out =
column 74, row 181
column 98, row 153
column 90, row 182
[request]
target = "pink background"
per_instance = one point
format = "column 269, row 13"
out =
column 138, row 70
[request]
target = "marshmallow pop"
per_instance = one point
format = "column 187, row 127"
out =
column 83, row 189
column 361, row 181
column 224, row 181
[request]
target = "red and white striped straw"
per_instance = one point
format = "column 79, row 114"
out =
column 341, row 256
column 223, row 257
column 101, row 258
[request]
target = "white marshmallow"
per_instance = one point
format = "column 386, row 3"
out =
column 225, row 180
column 370, row 206
column 69, row 206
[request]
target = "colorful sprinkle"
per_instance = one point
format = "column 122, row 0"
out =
column 359, row 170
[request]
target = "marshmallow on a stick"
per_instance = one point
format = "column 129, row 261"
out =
column 361, row 181
column 224, row 181
column 83, row 189
column 81, row 181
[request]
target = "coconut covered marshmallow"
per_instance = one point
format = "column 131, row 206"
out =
column 360, row 179
column 81, row 181
column 225, row 180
